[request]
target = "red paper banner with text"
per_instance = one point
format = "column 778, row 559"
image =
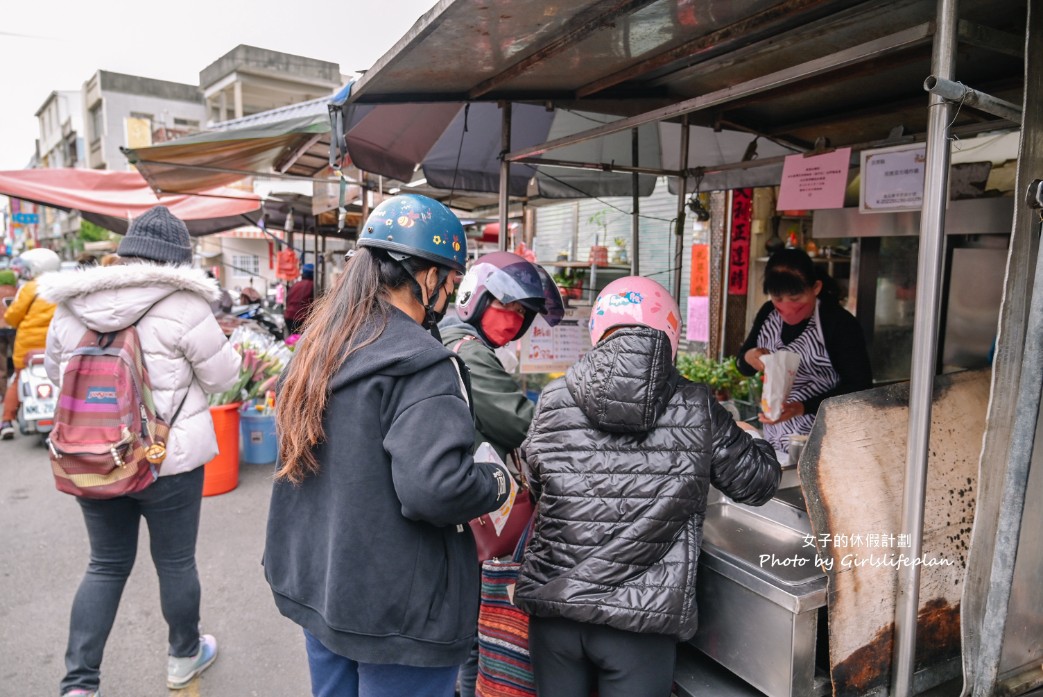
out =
column 699, row 282
column 739, row 251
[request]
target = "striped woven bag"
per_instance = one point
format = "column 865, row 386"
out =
column 504, row 666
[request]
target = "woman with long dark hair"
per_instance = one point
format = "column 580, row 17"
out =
column 804, row 315
column 367, row 545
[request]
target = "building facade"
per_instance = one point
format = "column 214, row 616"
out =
column 132, row 111
column 250, row 86
column 249, row 80
column 60, row 144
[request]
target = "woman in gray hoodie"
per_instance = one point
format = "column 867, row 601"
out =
column 368, row 547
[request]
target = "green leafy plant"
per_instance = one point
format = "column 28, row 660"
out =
column 569, row 278
column 600, row 219
column 723, row 377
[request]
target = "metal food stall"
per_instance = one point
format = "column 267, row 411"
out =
column 796, row 72
column 761, row 594
column 792, row 72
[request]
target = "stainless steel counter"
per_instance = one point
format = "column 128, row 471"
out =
column 761, row 595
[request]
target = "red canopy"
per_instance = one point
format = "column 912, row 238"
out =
column 111, row 199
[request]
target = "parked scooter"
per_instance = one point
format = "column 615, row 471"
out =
column 38, row 395
column 273, row 323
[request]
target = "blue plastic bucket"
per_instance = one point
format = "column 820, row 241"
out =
column 257, row 437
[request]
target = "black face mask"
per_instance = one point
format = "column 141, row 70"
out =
column 432, row 316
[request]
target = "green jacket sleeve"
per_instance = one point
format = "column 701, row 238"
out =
column 502, row 412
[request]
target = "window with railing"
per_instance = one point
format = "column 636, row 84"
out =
column 245, row 265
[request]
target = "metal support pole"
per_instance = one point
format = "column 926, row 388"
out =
column 364, row 195
column 635, row 217
column 925, row 349
column 322, row 258
column 962, row 94
column 1015, row 483
column 505, row 173
column 682, row 193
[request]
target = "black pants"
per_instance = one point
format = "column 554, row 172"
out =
column 570, row 659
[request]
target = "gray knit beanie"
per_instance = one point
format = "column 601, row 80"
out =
column 158, row 235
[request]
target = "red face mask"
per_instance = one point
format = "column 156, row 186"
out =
column 500, row 325
column 795, row 312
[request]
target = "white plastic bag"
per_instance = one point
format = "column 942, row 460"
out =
column 780, row 370
column 486, row 453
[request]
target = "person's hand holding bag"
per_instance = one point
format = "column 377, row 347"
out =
column 780, row 370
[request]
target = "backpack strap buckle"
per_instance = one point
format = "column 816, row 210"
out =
column 128, row 438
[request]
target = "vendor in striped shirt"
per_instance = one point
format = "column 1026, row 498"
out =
column 804, row 315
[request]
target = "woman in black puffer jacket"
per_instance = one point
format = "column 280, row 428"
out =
column 623, row 451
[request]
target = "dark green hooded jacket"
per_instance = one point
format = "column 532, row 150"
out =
column 502, row 412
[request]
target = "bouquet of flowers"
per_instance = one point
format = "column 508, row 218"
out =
column 263, row 362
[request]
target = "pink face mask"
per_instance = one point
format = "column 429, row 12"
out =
column 795, row 312
column 500, row 325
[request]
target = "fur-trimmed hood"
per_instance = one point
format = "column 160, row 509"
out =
column 109, row 298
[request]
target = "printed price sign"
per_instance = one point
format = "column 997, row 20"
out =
column 546, row 349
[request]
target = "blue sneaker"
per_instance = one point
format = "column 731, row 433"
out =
column 82, row 693
column 180, row 671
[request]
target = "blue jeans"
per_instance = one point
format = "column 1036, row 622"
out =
column 469, row 672
column 170, row 507
column 333, row 675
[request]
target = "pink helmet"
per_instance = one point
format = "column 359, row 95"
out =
column 635, row 301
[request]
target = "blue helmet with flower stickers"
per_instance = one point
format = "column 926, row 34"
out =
column 417, row 226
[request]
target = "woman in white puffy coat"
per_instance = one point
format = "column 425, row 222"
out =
column 186, row 355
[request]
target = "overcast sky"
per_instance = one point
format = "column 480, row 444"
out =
column 48, row 45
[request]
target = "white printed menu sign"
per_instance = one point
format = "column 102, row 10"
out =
column 546, row 349
column 892, row 179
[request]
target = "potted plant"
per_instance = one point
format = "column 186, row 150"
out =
column 598, row 252
column 724, row 378
column 618, row 253
column 570, row 282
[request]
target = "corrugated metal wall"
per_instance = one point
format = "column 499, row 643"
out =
column 568, row 228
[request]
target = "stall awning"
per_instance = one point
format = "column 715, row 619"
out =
column 111, row 199
column 789, row 70
column 457, row 146
column 291, row 140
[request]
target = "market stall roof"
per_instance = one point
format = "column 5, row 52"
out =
column 111, row 199
column 793, row 71
column 291, row 140
column 457, row 146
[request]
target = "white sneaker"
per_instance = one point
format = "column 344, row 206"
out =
column 180, row 671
